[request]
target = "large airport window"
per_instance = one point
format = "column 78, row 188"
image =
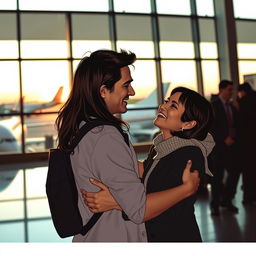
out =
column 142, row 6
column 205, row 8
column 211, row 77
column 179, row 73
column 171, row 7
column 246, row 39
column 65, row 5
column 44, row 39
column 208, row 45
column 8, row 5
column 86, row 39
column 9, row 89
column 244, row 9
column 134, row 33
column 176, row 38
column 8, row 36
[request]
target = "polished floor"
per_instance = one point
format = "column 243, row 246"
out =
column 25, row 216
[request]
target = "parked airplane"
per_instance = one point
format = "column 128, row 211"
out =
column 141, row 121
column 10, row 132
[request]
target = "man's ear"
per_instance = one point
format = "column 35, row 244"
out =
column 189, row 125
column 103, row 91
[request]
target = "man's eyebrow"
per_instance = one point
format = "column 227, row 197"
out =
column 128, row 82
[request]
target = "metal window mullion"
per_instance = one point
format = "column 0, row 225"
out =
column 156, row 40
column 112, row 25
column 20, row 79
column 69, row 38
column 196, row 42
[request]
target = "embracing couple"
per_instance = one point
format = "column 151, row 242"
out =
column 142, row 201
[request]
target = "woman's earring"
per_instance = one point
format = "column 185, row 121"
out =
column 182, row 129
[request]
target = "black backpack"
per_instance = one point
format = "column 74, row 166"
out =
column 61, row 187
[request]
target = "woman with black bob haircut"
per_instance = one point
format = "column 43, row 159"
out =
column 184, row 121
column 196, row 108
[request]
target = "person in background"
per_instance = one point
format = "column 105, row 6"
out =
column 184, row 120
column 225, row 153
column 101, row 89
column 247, row 139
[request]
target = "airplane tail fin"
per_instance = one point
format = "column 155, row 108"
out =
column 57, row 97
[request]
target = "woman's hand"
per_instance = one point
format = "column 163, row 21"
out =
column 101, row 201
column 190, row 179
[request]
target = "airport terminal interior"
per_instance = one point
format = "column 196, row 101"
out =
column 190, row 43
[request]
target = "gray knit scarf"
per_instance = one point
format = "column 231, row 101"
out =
column 164, row 147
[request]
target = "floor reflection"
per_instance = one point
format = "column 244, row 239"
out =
column 25, row 215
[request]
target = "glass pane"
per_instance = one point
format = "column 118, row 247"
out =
column 176, row 43
column 44, row 231
column 53, row 76
column 246, row 68
column 141, row 121
column 87, row 39
column 246, row 47
column 65, row 5
column 12, row 232
column 205, row 7
column 38, row 208
column 9, row 91
column 8, row 5
column 171, row 7
column 135, row 34
column 208, row 45
column 211, row 78
column 142, row 6
column 41, row 133
column 179, row 73
column 11, row 184
column 44, row 39
column 11, row 210
column 8, row 36
column 35, row 182
column 244, row 9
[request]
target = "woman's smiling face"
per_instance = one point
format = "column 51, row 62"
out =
column 169, row 115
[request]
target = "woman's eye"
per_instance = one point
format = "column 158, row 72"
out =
column 173, row 106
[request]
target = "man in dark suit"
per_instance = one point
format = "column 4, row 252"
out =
column 224, row 155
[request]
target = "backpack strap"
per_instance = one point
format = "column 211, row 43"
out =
column 82, row 131
column 92, row 124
